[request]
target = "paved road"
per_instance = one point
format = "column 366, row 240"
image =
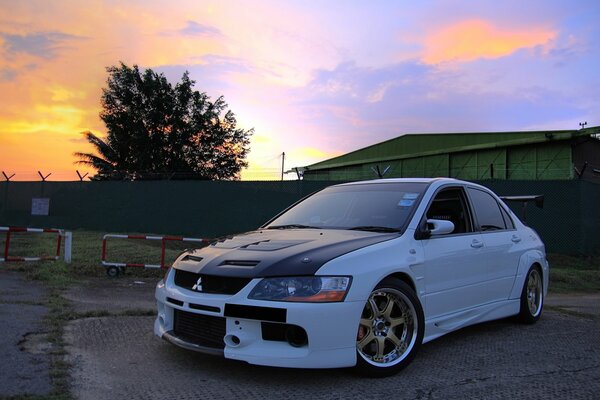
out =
column 559, row 357
column 115, row 355
column 24, row 366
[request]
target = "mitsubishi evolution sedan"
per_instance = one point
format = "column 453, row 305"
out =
column 356, row 275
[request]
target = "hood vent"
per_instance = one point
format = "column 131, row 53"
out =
column 240, row 263
column 272, row 245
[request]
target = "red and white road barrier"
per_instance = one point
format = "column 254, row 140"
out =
column 163, row 240
column 60, row 233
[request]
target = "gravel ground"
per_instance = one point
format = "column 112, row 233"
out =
column 113, row 295
column 118, row 357
column 557, row 358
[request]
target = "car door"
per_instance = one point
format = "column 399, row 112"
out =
column 502, row 243
column 455, row 276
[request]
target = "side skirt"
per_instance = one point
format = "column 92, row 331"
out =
column 439, row 326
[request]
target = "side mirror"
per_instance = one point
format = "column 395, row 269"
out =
column 423, row 232
column 440, row 226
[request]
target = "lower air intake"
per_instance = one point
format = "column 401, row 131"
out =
column 203, row 330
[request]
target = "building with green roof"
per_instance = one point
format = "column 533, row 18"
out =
column 539, row 155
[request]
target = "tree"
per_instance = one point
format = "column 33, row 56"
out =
column 158, row 131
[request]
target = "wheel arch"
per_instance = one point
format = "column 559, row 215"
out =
column 528, row 260
column 404, row 277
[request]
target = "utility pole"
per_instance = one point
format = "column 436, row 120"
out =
column 282, row 163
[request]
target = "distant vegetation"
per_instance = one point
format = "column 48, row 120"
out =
column 160, row 131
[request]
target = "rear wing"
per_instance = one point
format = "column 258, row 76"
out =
column 537, row 199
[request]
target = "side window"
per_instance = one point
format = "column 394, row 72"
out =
column 487, row 210
column 450, row 205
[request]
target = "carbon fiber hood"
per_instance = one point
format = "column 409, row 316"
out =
column 285, row 252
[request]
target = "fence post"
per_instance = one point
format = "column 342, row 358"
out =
column 68, row 246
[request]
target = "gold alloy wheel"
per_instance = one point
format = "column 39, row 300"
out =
column 534, row 292
column 388, row 328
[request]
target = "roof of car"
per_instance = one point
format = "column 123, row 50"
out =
column 404, row 180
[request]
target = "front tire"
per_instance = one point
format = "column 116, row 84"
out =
column 532, row 296
column 390, row 330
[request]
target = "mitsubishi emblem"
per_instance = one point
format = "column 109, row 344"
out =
column 198, row 286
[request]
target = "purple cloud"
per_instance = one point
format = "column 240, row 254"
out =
column 193, row 28
column 43, row 45
column 370, row 105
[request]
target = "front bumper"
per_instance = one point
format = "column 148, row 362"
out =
column 330, row 327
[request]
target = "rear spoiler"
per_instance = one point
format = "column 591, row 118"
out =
column 537, row 199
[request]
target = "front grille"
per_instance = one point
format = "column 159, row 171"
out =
column 210, row 284
column 203, row 330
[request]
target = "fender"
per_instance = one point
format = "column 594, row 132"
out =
column 397, row 256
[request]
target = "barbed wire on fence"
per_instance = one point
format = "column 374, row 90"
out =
column 266, row 174
column 274, row 174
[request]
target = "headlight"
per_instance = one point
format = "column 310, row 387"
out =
column 312, row 289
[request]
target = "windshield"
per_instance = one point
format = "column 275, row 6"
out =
column 370, row 206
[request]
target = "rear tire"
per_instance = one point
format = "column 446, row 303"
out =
column 532, row 296
column 390, row 330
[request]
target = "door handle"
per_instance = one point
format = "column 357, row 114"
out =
column 476, row 244
column 515, row 239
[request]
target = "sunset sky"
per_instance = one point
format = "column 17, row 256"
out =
column 313, row 78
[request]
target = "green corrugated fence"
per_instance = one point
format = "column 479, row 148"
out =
column 568, row 223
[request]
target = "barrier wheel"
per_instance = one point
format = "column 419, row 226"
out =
column 113, row 272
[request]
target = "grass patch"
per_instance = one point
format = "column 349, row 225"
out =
column 124, row 313
column 59, row 312
column 574, row 274
column 569, row 311
column 87, row 254
column 567, row 273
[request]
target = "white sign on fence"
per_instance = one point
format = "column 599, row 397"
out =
column 40, row 206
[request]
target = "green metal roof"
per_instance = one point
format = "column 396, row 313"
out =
column 417, row 145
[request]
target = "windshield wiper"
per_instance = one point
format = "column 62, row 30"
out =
column 293, row 226
column 371, row 228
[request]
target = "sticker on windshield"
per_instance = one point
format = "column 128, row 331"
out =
column 410, row 196
column 406, row 203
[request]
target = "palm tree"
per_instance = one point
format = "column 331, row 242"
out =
column 106, row 163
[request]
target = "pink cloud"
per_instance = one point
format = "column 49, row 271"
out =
column 473, row 39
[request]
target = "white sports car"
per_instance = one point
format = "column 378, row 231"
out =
column 358, row 274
